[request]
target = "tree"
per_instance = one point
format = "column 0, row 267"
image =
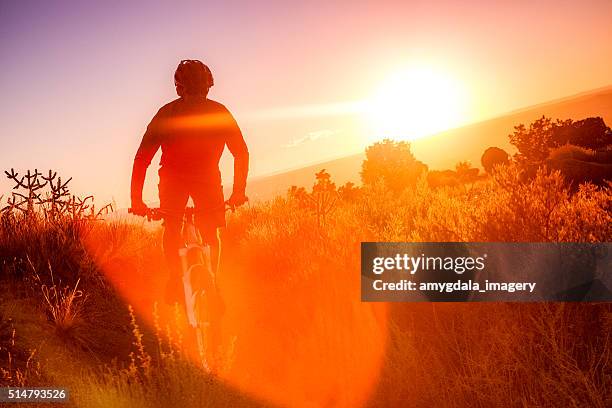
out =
column 591, row 133
column 493, row 156
column 392, row 163
column 534, row 143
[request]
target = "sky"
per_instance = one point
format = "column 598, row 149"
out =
column 81, row 80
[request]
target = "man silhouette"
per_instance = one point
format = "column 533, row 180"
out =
column 192, row 132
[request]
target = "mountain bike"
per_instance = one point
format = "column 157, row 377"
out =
column 203, row 303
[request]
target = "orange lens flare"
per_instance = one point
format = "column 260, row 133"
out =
column 316, row 345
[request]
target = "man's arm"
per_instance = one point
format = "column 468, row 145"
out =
column 147, row 149
column 237, row 146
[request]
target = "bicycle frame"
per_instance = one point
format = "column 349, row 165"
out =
column 198, row 277
column 195, row 256
column 203, row 304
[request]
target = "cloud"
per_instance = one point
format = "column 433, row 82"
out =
column 311, row 136
column 307, row 111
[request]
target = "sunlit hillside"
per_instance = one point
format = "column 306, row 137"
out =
column 445, row 149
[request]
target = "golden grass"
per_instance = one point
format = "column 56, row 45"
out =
column 63, row 305
column 300, row 335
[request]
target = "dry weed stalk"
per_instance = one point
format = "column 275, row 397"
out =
column 50, row 196
column 11, row 375
column 140, row 362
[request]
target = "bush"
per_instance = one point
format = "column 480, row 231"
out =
column 534, row 143
column 393, row 164
column 492, row 157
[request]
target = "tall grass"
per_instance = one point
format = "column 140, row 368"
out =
column 442, row 354
column 170, row 378
column 301, row 336
column 19, row 367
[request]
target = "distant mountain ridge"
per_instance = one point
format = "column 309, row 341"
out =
column 443, row 150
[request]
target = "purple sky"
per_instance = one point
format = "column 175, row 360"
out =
column 80, row 80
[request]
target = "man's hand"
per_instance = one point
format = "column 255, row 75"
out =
column 237, row 199
column 139, row 208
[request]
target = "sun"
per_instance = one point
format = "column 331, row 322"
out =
column 414, row 103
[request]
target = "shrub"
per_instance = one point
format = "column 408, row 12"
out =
column 393, row 164
column 492, row 157
column 535, row 142
column 568, row 151
column 591, row 133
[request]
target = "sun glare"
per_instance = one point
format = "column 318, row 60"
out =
column 415, row 102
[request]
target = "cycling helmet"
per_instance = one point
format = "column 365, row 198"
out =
column 192, row 77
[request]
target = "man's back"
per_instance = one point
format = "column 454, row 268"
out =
column 192, row 133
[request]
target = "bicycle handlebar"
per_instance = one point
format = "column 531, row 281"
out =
column 156, row 214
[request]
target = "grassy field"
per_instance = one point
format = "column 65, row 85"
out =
column 80, row 305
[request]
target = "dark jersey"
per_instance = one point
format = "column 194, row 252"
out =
column 192, row 134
